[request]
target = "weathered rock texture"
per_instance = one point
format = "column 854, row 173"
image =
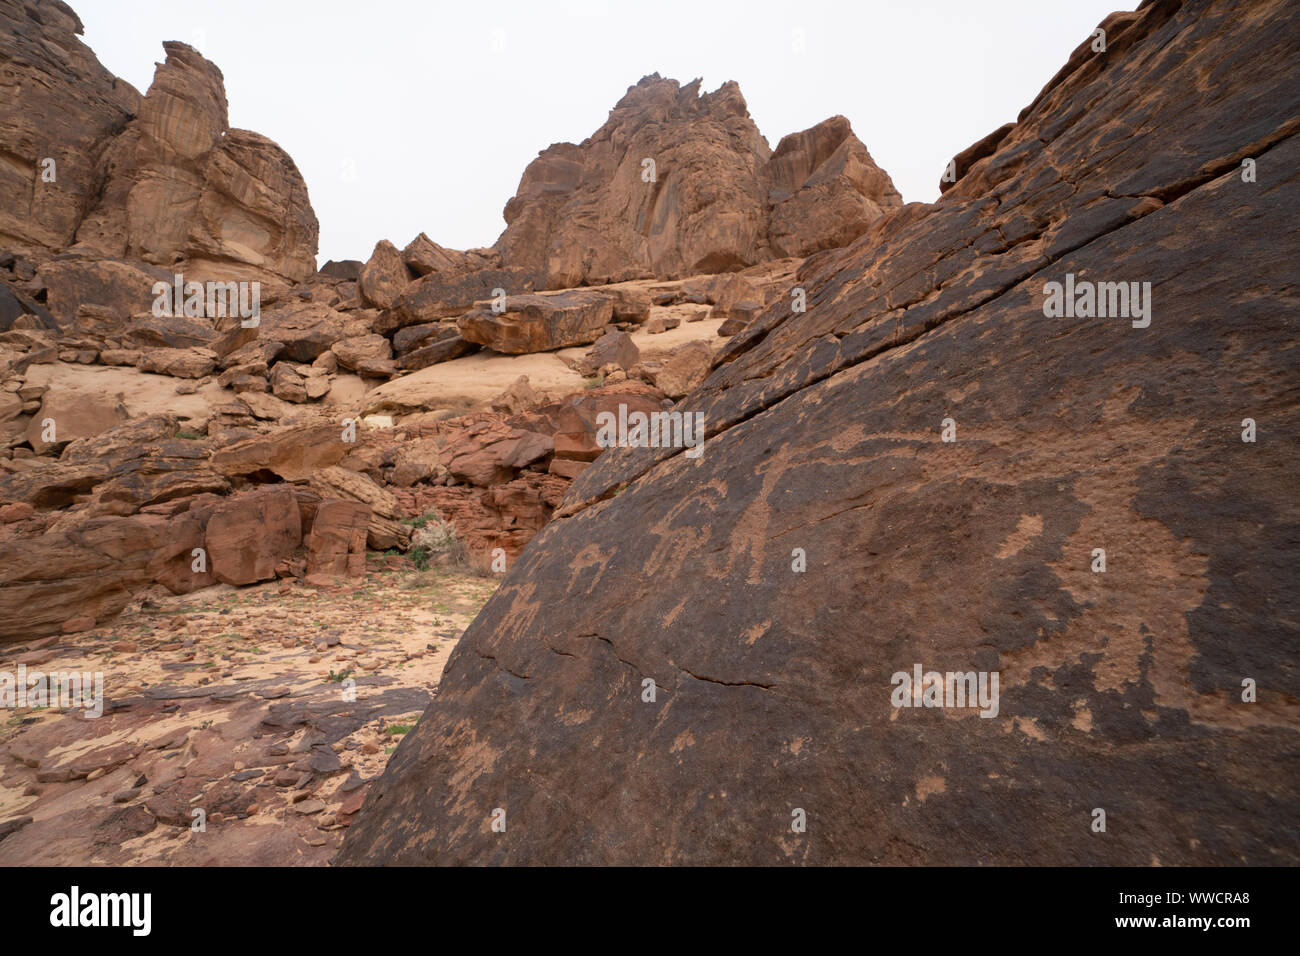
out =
column 715, row 199
column 161, row 178
column 1119, row 690
column 56, row 103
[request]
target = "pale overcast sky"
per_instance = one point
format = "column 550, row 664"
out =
column 435, row 108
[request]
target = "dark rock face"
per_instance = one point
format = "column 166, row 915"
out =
column 1120, row 691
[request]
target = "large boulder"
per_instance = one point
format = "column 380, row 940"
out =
column 336, row 546
column 250, row 534
column 124, row 288
column 539, row 323
column 293, row 454
column 384, row 278
column 65, row 415
column 384, row 529
column 698, row 652
column 687, row 367
column 306, row 329
column 424, row 256
column 89, row 569
column 440, row 295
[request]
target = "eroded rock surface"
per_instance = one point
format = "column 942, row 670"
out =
column 1120, row 690
column 677, row 182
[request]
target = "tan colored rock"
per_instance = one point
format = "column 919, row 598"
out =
column 294, row 453
column 287, row 384
column 178, row 363
column 306, row 329
column 146, row 330
column 416, row 461
column 384, row 278
column 539, row 323
column 519, row 397
column 65, row 416
column 424, row 256
column 385, row 528
column 686, row 368
column 613, row 348
column 355, row 351
column 186, row 191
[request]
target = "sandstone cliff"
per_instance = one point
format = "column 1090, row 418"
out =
column 677, row 183
column 160, row 178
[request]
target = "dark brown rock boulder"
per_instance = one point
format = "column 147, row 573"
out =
column 782, row 589
column 124, row 288
column 440, row 296
column 446, row 345
column 424, row 256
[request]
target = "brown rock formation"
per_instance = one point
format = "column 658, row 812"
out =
column 56, row 103
column 538, row 323
column 160, row 178
column 250, row 534
column 829, row 538
column 677, row 183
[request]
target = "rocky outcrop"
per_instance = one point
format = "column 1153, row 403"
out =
column 933, row 469
column 384, row 278
column 59, row 112
column 87, row 163
column 678, row 183
column 186, row 191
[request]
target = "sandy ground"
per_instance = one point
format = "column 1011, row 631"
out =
column 239, row 703
column 142, row 393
